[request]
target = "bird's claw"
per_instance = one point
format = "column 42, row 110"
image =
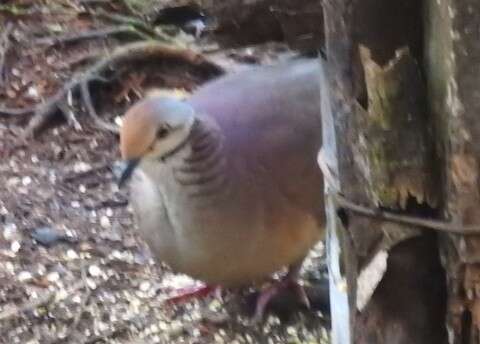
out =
column 270, row 292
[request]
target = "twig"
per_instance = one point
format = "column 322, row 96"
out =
column 135, row 22
column 17, row 10
column 87, row 100
column 76, row 320
column 71, row 38
column 4, row 47
column 80, row 175
column 4, row 111
column 438, row 225
column 34, row 304
column 131, row 8
column 149, row 50
column 69, row 115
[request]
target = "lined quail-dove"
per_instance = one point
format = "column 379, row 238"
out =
column 225, row 184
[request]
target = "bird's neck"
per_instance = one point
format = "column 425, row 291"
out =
column 203, row 167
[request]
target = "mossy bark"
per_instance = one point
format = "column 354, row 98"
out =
column 378, row 146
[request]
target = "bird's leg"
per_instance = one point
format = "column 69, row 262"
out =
column 189, row 293
column 289, row 281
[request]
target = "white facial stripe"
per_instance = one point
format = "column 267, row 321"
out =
column 173, row 140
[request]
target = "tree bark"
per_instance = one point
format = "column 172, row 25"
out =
column 452, row 64
column 378, row 150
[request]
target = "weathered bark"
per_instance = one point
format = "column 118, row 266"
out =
column 378, row 148
column 452, row 62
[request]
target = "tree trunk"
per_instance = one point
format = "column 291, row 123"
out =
column 452, row 64
column 381, row 150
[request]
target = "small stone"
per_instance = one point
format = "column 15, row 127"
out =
column 154, row 328
column 101, row 326
column 10, row 267
column 53, row 276
column 71, row 255
column 62, row 294
column 105, row 222
column 26, row 181
column 10, row 232
column 15, row 246
column 291, row 331
column 91, row 284
column 24, row 276
column 77, row 298
column 145, row 286
column 50, row 60
column 75, row 204
column 94, row 271
column 81, row 166
column 32, row 92
column 82, row 188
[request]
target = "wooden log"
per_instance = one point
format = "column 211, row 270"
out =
column 368, row 118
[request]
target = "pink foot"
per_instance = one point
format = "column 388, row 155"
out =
column 269, row 293
column 189, row 293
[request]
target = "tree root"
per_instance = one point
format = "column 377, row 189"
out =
column 102, row 33
column 135, row 23
column 149, row 50
column 6, row 111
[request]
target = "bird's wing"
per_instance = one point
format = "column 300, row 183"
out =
column 270, row 117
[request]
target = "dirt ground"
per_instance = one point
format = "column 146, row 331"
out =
column 71, row 267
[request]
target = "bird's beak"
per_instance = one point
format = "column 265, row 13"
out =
column 127, row 171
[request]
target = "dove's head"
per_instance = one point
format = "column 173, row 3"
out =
column 152, row 129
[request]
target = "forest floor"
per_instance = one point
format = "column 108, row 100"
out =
column 72, row 269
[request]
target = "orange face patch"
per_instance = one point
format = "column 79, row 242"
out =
column 137, row 133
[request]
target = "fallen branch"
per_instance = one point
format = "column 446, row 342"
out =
column 149, row 50
column 5, row 111
column 73, row 177
column 102, row 33
column 136, row 23
column 68, row 113
column 438, row 225
column 15, row 10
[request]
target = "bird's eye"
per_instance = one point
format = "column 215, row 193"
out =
column 162, row 132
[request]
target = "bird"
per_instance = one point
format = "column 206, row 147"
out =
column 224, row 184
